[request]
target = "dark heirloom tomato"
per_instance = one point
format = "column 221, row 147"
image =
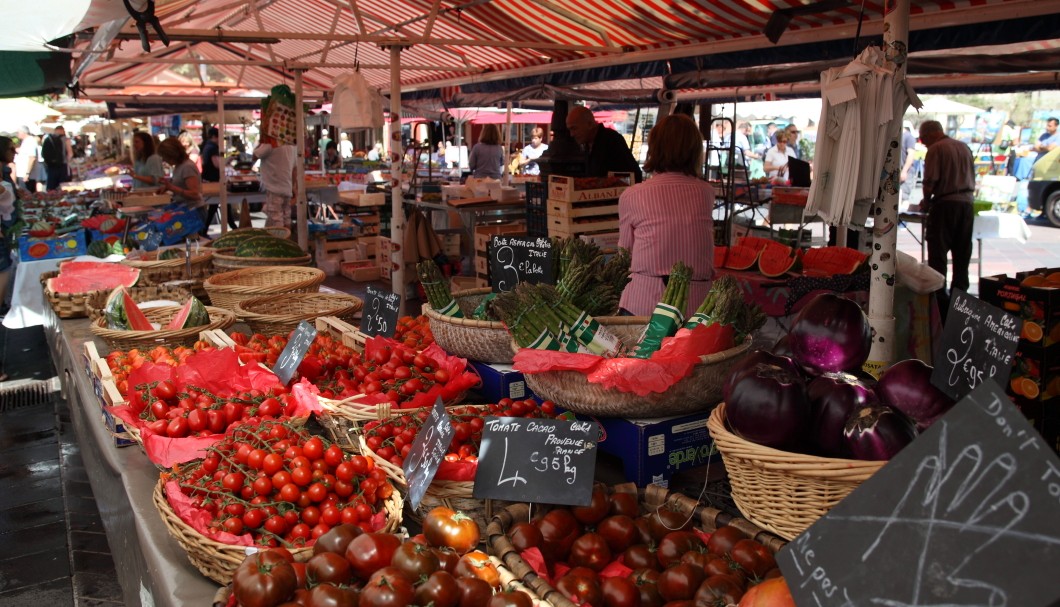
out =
column 644, row 535
column 510, row 599
column 439, row 590
column 586, row 590
column 264, row 579
column 646, row 581
column 387, row 591
column 477, row 564
column 619, row 592
column 699, row 559
column 722, row 540
column 559, row 529
column 719, row 591
column 720, row 565
column 474, row 592
column 619, row 531
column 624, row 503
column 753, row 557
column 416, row 560
column 640, row 556
column 329, row 595
column 370, row 552
column 447, row 527
column 329, row 567
column 680, row 582
column 675, row 544
column 664, row 520
column 524, row 535
column 447, row 559
column 596, row 510
column 590, row 550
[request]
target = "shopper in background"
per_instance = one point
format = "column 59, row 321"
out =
column 9, row 216
column 606, row 151
column 322, row 143
column 486, row 160
column 56, row 159
column 792, row 134
column 668, row 218
column 749, row 156
column 949, row 186
column 277, row 179
column 771, row 133
column 191, row 149
column 147, row 165
column 376, row 153
column 909, row 165
column 537, row 147
column 26, row 159
column 345, row 146
column 184, row 182
column 776, row 160
column 1048, row 140
column 332, row 160
column 211, row 157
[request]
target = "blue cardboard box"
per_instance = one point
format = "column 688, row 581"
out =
column 70, row 244
column 653, row 450
column 500, row 381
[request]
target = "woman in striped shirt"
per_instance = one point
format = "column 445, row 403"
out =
column 668, row 218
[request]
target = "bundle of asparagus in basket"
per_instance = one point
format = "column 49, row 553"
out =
column 437, row 289
column 725, row 305
column 586, row 280
column 537, row 317
column 669, row 314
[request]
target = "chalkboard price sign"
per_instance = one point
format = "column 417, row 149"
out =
column 427, row 452
column 515, row 259
column 965, row 515
column 547, row 461
column 294, row 352
column 978, row 343
column 380, row 314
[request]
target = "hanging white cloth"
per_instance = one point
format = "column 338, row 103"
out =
column 356, row 104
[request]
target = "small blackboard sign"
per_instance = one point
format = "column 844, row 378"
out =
column 294, row 352
column 978, row 343
column 427, row 452
column 380, row 313
column 515, row 259
column 965, row 515
column 548, row 461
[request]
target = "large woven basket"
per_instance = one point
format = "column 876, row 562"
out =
column 780, row 491
column 698, row 391
column 280, row 314
column 224, row 259
column 96, row 302
column 66, row 305
column 482, row 340
column 219, row 561
column 226, row 290
column 126, row 340
column 651, row 498
column 154, row 271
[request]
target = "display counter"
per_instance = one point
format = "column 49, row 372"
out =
column 152, row 568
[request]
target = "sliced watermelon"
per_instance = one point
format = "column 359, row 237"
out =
column 829, row 261
column 122, row 313
column 774, row 263
column 720, row 255
column 191, row 314
column 741, row 257
column 85, row 276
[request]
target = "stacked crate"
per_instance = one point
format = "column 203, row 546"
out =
column 483, row 235
column 574, row 211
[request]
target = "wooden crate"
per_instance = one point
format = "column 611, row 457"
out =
column 561, row 187
column 569, row 226
column 462, row 283
column 562, row 208
column 360, row 271
column 350, row 335
column 483, row 234
column 482, row 265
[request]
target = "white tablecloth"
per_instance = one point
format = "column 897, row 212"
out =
column 990, row 224
column 27, row 296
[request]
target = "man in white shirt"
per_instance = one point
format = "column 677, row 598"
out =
column 345, row 146
column 277, row 179
column 776, row 161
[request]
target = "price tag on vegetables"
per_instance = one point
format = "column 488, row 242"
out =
column 515, row 259
column 294, row 352
column 978, row 344
column 380, row 314
column 548, row 461
column 427, row 452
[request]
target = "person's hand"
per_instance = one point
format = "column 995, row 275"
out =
column 905, row 174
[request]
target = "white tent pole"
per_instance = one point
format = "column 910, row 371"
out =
column 397, row 220
column 223, row 200
column 299, row 164
column 885, row 224
column 505, row 176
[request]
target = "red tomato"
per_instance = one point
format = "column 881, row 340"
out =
column 770, row 593
column 369, row 552
column 445, row 527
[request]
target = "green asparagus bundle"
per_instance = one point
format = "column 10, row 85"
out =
column 537, row 317
column 600, row 300
column 525, row 320
column 577, row 279
column 482, row 310
column 725, row 305
column 581, row 325
column 437, row 290
column 668, row 315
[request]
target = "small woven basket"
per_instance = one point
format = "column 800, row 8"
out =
column 98, row 300
column 780, row 491
column 224, row 259
column 219, row 561
column 154, row 271
column 695, row 392
column 67, row 305
column 651, row 498
column 126, row 340
column 228, row 289
column 482, row 340
column 280, row 314
column 352, row 410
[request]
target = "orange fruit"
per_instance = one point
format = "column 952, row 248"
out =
column 1016, row 385
column 1053, row 279
column 1032, row 331
column 1054, row 333
column 1034, row 280
column 1030, row 388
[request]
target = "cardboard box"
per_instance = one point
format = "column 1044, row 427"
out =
column 1039, row 306
column 653, row 450
column 53, row 247
column 1045, row 417
column 1035, row 373
column 500, row 381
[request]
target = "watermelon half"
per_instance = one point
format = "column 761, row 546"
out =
column 87, row 276
column 191, row 314
column 829, row 261
column 741, row 257
column 720, row 255
column 763, row 244
column 123, row 314
column 774, row 263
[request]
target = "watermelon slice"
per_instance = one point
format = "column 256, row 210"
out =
column 122, row 313
column 741, row 257
column 86, row 276
column 829, row 261
column 774, row 263
column 763, row 244
column 191, row 314
column 720, row 255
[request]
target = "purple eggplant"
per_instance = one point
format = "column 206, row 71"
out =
column 877, row 432
column 747, row 363
column 783, row 346
column 834, row 397
column 767, row 405
column 830, row 334
column 907, row 386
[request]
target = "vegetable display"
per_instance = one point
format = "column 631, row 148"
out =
column 725, row 305
column 537, row 317
column 588, row 280
column 906, row 386
column 669, row 313
column 831, row 334
column 437, row 289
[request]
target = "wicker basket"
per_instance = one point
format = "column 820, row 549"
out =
column 482, row 340
column 219, row 561
column 67, row 305
column 154, row 271
column 95, row 302
column 280, row 314
column 228, row 289
column 780, row 491
column 126, row 340
column 651, row 499
column 696, row 392
column 225, row 260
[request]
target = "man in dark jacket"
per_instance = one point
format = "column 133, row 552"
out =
column 606, row 150
column 53, row 151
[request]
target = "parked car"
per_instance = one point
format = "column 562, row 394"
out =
column 1043, row 189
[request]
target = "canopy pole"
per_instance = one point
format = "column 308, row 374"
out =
column 506, row 174
column 885, row 224
column 223, row 199
column 397, row 220
column 299, row 164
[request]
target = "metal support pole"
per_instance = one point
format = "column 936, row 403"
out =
column 397, row 220
column 223, row 199
column 885, row 222
column 299, row 164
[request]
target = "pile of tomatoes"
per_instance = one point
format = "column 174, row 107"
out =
column 349, row 567
column 393, row 370
column 284, row 486
column 659, row 558
column 324, row 354
column 123, row 363
column 391, row 439
column 193, row 411
column 414, row 333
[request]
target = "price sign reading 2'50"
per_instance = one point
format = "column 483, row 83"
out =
column 381, row 309
column 514, row 259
